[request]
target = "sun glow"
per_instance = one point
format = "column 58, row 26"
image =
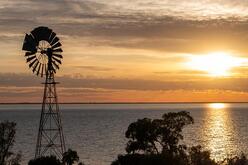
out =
column 217, row 105
column 216, row 64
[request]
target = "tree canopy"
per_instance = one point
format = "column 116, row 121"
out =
column 157, row 142
column 158, row 135
column 70, row 157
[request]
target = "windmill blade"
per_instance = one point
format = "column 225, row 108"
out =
column 35, row 34
column 58, row 50
column 38, row 69
column 45, row 34
column 41, row 33
column 42, row 69
column 58, row 55
column 35, row 66
column 30, row 58
column 29, row 53
column 58, row 44
column 56, row 39
column 29, row 43
column 51, row 37
column 56, row 66
column 32, row 63
column 57, row 60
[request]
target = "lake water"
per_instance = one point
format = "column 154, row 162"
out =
column 97, row 131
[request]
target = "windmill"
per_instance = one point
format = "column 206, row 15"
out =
column 43, row 55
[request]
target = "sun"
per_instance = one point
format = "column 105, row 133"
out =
column 216, row 64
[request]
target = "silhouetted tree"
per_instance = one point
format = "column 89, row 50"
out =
column 170, row 130
column 199, row 157
column 45, row 160
column 7, row 138
column 157, row 141
column 237, row 160
column 143, row 135
column 149, row 159
column 159, row 135
column 69, row 157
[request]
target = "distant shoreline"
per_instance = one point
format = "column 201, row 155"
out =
column 132, row 103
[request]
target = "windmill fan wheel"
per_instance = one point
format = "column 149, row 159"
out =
column 43, row 51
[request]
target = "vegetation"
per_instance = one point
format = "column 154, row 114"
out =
column 7, row 139
column 242, row 160
column 70, row 157
column 159, row 135
column 45, row 160
column 157, row 142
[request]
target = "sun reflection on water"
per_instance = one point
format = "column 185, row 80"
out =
column 218, row 131
column 217, row 105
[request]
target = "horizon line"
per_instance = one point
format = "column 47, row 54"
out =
column 193, row 102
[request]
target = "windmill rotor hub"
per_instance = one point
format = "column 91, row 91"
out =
column 42, row 58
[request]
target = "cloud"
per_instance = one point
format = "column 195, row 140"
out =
column 23, row 80
column 182, row 73
column 28, row 88
column 131, row 26
column 94, row 68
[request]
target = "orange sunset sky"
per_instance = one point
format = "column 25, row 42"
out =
column 131, row 51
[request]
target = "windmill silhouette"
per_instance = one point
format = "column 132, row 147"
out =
column 43, row 53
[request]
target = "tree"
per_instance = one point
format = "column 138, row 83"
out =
column 237, row 160
column 70, row 157
column 143, row 136
column 170, row 130
column 7, row 138
column 156, row 141
column 158, row 135
column 199, row 157
column 45, row 160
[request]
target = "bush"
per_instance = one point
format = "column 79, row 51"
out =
column 70, row 156
column 237, row 160
column 198, row 157
column 45, row 160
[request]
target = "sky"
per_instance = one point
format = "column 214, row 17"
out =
column 130, row 51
